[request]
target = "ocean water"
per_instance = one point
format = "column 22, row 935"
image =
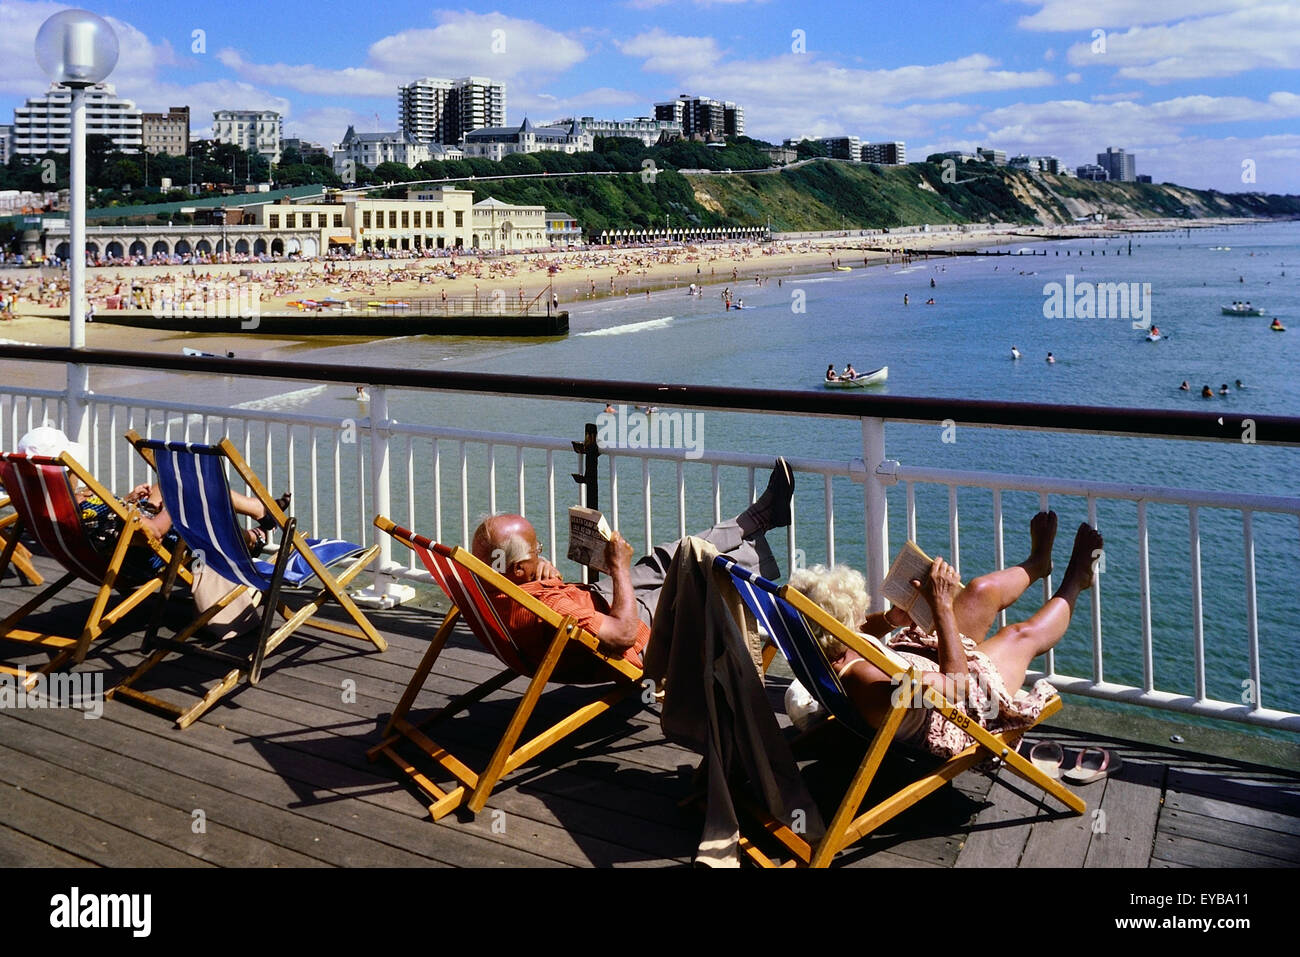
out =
column 959, row 347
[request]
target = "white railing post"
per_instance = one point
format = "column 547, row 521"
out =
column 77, row 426
column 385, row 590
column 877, row 506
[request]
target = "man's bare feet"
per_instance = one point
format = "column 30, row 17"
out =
column 1042, row 536
column 1078, row 574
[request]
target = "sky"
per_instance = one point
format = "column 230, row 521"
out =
column 1203, row 91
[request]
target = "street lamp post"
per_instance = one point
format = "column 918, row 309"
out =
column 77, row 49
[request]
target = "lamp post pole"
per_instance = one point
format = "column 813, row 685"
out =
column 77, row 49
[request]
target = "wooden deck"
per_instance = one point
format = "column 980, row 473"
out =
column 277, row 775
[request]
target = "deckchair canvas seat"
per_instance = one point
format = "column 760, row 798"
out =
column 790, row 617
column 471, row 586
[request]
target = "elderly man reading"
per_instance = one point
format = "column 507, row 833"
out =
column 619, row 609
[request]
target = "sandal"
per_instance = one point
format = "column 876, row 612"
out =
column 1093, row 769
column 266, row 523
column 256, row 541
column 1048, row 757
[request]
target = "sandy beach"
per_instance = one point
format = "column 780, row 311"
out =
column 38, row 297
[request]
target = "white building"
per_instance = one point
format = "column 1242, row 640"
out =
column 703, row 116
column 260, row 131
column 370, row 149
column 433, row 110
column 44, row 124
column 506, row 227
column 497, row 142
column 642, row 128
column 6, row 140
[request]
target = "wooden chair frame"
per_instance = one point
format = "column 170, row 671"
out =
column 21, row 557
column 248, row 667
column 474, row 788
column 64, row 648
column 848, row 825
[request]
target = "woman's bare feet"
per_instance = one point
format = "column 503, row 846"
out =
column 1079, row 573
column 1042, row 536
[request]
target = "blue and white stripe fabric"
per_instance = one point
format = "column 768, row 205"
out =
column 196, row 493
column 790, row 631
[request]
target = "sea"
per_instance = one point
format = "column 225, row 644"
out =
column 959, row 347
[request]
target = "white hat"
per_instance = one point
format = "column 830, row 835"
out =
column 49, row 441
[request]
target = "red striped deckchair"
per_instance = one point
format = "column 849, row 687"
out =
column 470, row 584
column 42, row 495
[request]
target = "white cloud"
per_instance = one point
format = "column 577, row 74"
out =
column 1115, row 97
column 349, row 81
column 1063, row 15
column 1073, row 77
column 663, row 52
column 1262, row 37
column 600, row 102
column 137, row 64
column 205, row 98
column 490, row 44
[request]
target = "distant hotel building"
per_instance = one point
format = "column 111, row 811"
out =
column 259, row 131
column 842, row 147
column 427, row 219
column 641, row 128
column 1092, row 171
column 1038, row 164
column 885, row 154
column 432, row 110
column 305, row 149
column 996, row 157
column 505, row 227
column 496, row 143
column 701, row 116
column 1144, row 177
column 6, row 141
column 368, row 150
column 44, row 124
column 166, row 132
column 1119, row 164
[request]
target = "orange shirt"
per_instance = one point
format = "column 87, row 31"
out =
column 534, row 636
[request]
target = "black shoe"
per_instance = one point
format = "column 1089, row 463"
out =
column 772, row 510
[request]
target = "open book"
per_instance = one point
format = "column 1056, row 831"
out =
column 911, row 564
column 588, row 533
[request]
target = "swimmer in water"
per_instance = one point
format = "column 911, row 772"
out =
column 1207, row 392
column 1185, row 387
column 1051, row 359
column 1223, row 389
column 1240, row 385
column 362, row 394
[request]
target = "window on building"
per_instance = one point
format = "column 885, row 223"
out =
column 392, row 219
column 460, row 218
column 428, row 219
column 274, row 220
column 365, row 219
column 338, row 219
column 440, row 219
column 290, row 220
column 406, row 219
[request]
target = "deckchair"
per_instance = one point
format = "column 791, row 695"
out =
column 788, row 616
column 21, row 558
column 196, row 493
column 470, row 584
column 41, row 494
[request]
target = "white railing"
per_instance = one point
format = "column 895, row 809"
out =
column 439, row 480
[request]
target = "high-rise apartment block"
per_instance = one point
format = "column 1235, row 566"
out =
column 432, row 110
column 885, row 154
column 44, row 124
column 702, row 116
column 1120, row 165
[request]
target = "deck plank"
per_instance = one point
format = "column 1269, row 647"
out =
column 1131, row 808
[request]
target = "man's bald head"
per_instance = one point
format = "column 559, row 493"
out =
column 507, row 543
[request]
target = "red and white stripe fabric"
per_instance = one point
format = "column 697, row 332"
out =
column 41, row 494
column 471, row 596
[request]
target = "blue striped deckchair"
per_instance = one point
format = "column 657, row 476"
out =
column 41, row 493
column 196, row 494
column 788, row 617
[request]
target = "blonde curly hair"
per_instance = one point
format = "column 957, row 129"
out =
column 842, row 592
